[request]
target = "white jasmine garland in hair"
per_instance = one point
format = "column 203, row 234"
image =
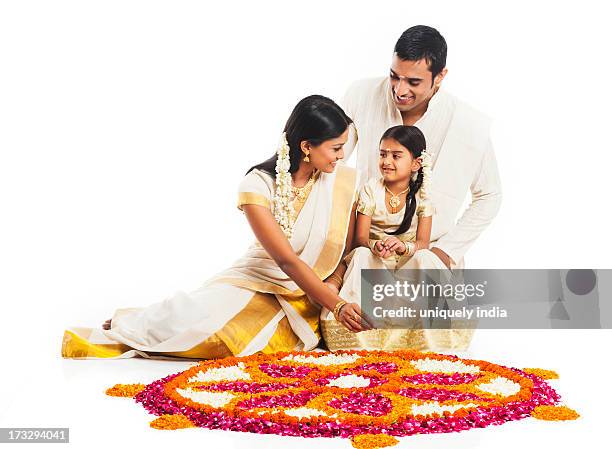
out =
column 283, row 206
column 426, row 163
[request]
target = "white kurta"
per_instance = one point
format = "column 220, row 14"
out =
column 463, row 158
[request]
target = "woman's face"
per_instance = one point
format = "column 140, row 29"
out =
column 325, row 156
column 396, row 162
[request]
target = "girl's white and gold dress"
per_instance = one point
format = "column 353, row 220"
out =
column 372, row 202
column 251, row 306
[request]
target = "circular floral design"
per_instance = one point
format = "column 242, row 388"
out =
column 348, row 394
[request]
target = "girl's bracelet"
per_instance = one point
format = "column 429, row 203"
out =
column 373, row 245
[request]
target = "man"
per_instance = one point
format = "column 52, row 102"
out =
column 456, row 134
column 463, row 161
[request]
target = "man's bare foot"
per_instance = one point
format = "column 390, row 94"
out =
column 107, row 324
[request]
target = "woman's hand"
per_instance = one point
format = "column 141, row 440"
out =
column 353, row 318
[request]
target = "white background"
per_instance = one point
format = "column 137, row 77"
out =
column 125, row 128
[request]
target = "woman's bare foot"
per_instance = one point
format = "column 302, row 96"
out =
column 107, row 324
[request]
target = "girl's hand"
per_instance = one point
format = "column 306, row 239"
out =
column 392, row 245
column 353, row 318
column 378, row 248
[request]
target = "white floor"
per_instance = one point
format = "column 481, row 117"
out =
column 51, row 392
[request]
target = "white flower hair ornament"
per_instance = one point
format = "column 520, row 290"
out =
column 426, row 162
column 284, row 213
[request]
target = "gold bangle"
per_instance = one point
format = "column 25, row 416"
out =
column 373, row 245
column 338, row 313
column 337, row 308
column 335, row 284
column 337, row 278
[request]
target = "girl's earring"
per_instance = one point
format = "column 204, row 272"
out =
column 415, row 175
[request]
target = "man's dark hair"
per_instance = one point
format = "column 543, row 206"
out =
column 423, row 42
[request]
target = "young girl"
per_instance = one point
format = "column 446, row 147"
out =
column 394, row 214
column 393, row 223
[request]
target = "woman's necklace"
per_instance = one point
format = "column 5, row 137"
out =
column 302, row 192
column 395, row 201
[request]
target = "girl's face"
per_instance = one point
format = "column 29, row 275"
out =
column 396, row 162
column 325, row 156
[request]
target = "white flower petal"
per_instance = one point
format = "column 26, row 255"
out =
column 444, row 366
column 212, row 398
column 501, row 386
column 226, row 373
column 350, row 381
column 429, row 408
column 304, row 412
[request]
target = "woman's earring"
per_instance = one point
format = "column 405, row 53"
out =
column 306, row 159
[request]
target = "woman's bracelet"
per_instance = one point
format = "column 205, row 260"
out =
column 337, row 309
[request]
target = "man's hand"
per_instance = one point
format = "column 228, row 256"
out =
column 445, row 258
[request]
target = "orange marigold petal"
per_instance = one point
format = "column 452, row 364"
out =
column 125, row 390
column 368, row 441
column 171, row 422
column 542, row 373
column 554, row 413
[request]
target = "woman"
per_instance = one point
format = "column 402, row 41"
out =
column 301, row 209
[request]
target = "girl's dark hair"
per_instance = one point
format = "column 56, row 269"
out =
column 315, row 119
column 413, row 140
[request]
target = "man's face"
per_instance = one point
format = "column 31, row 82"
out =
column 411, row 83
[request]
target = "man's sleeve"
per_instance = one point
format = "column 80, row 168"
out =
column 486, row 200
column 348, row 104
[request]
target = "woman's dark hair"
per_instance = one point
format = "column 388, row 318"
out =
column 314, row 119
column 423, row 42
column 413, row 140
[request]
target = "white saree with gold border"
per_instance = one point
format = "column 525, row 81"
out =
column 250, row 307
